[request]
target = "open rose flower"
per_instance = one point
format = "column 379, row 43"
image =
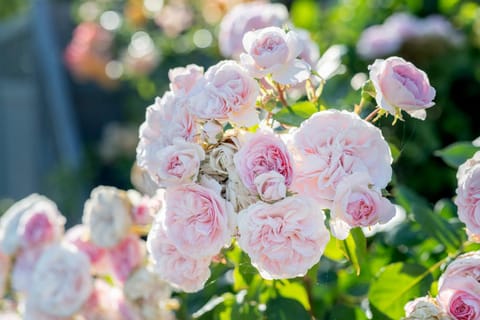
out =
column 284, row 239
column 273, row 51
column 468, row 200
column 61, row 281
column 144, row 207
column 332, row 145
column 466, row 266
column 32, row 221
column 22, row 268
column 226, row 92
column 181, row 271
column 399, row 85
column 4, row 271
column 182, row 79
column 263, row 152
column 356, row 204
column 166, row 120
column 197, row 219
column 177, row 163
column 107, row 216
column 460, row 297
column 246, row 17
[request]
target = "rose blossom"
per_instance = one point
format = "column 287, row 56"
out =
column 197, row 217
column 61, row 281
column 144, row 207
column 181, row 271
column 23, row 267
column 107, row 215
column 126, row 256
column 263, row 152
column 246, row 17
column 468, row 199
column 424, row 308
column 182, row 79
column 399, row 85
column 332, row 145
column 220, row 160
column 226, row 92
column 177, row 163
column 466, row 266
column 464, row 168
column 270, row 186
column 237, row 194
column 212, row 131
column 273, row 51
column 284, row 239
column 32, row 221
column 460, row 297
column 356, row 204
column 166, row 120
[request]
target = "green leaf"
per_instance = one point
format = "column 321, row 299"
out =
column 332, row 251
column 456, row 154
column 294, row 115
column 397, row 284
column 294, row 290
column 432, row 223
column 304, row 13
column 395, row 151
column 354, row 248
column 286, row 309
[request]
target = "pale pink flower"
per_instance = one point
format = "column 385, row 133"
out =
column 332, row 145
column 460, row 297
column 424, row 308
column 182, row 79
column 61, row 281
column 79, row 237
column 466, row 266
column 399, row 85
column 468, row 197
column 465, row 168
column 310, row 52
column 106, row 214
column 227, row 92
column 32, row 221
column 273, row 51
column 284, row 239
column 246, row 17
column 177, row 164
column 270, row 186
column 22, row 268
column 212, row 131
column 357, row 204
column 181, row 271
column 126, row 256
column 144, row 207
column 263, row 152
column 198, row 221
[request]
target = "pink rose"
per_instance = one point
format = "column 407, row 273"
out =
column 177, row 164
column 182, row 79
column 182, row 271
column 227, row 92
column 466, row 266
column 261, row 153
column 468, row 199
column 144, row 207
column 197, row 220
column 310, row 52
column 356, row 204
column 212, row 131
column 273, row 51
column 465, row 168
column 271, row 186
column 32, row 221
column 399, row 85
column 22, row 268
column 126, row 256
column 246, row 17
column 166, row 120
column 284, row 239
column 460, row 297
column 61, row 281
column 332, row 145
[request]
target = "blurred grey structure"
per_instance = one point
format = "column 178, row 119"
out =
column 38, row 129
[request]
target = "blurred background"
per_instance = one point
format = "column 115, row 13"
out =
column 76, row 78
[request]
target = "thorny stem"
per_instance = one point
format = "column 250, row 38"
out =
column 372, row 114
column 281, row 95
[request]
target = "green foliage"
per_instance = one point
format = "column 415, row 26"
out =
column 394, row 286
column 295, row 114
column 354, row 248
column 456, row 154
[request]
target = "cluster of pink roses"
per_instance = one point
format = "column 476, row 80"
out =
column 228, row 174
column 95, row 270
column 458, row 293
